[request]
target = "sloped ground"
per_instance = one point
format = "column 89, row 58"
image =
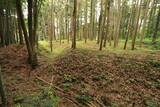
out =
column 82, row 77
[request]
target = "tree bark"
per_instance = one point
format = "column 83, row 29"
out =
column 156, row 27
column 118, row 24
column 1, row 28
column 30, row 22
column 51, row 36
column 144, row 23
column 102, row 26
column 86, row 21
column 31, row 54
column 74, row 24
column 107, row 27
column 2, row 91
column 128, row 32
column 136, row 26
column 20, row 33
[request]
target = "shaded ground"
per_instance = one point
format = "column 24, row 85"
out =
column 82, row 77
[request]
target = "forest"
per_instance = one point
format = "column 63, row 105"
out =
column 79, row 53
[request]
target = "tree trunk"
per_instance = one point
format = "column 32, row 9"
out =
column 128, row 32
column 118, row 24
column 74, row 24
column 136, row 26
column 99, row 23
column 156, row 27
column 86, row 22
column 51, row 36
column 35, row 24
column 30, row 21
column 92, row 19
column 102, row 26
column 20, row 33
column 144, row 23
column 32, row 58
column 107, row 28
column 1, row 28
column 2, row 91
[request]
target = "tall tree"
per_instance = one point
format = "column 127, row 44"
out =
column 136, row 24
column 144, row 22
column 1, row 28
column 74, row 24
column 31, row 52
column 108, row 21
column 86, row 21
column 20, row 33
column 156, row 26
column 102, row 25
column 92, row 19
column 117, row 30
column 99, row 23
column 51, row 36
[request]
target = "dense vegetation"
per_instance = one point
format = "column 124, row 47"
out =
column 85, row 53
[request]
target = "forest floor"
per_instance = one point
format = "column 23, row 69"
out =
column 84, row 77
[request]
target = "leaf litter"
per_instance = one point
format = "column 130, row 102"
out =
column 84, row 78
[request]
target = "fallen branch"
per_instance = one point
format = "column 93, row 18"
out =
column 48, row 83
column 57, row 89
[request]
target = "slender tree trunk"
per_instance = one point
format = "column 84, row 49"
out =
column 51, row 36
column 35, row 25
column 136, row 26
column 74, row 24
column 30, row 21
column 7, row 33
column 128, row 32
column 150, row 20
column 144, row 23
column 20, row 33
column 86, row 21
column 118, row 24
column 2, row 91
column 1, row 28
column 156, row 26
column 107, row 28
column 66, row 21
column 102, row 26
column 99, row 27
column 32, row 59
column 92, row 32
column 99, row 23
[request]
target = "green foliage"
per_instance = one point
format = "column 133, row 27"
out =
column 69, row 78
column 156, row 45
column 155, row 63
column 17, row 105
column 66, row 86
column 44, row 99
column 97, row 78
column 83, row 99
column 18, row 98
column 158, row 84
column 152, row 104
